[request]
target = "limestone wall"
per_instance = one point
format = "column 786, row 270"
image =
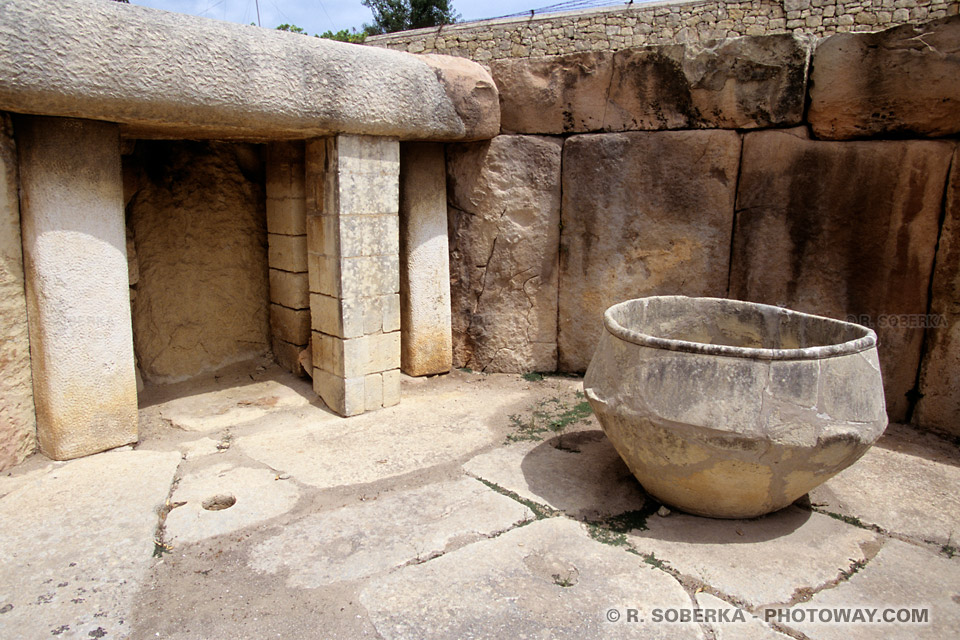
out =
column 18, row 428
column 618, row 27
column 695, row 170
column 198, row 216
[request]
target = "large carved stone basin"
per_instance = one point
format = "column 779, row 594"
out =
column 734, row 409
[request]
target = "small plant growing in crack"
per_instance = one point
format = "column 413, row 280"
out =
column 948, row 550
column 562, row 581
column 533, row 376
column 855, row 566
column 654, row 561
column 540, row 511
column 551, row 416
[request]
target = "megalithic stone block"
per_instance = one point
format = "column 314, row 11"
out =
column 78, row 295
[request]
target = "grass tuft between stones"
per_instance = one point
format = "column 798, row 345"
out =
column 540, row 511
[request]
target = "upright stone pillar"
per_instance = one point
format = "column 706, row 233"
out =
column 426, row 343
column 352, row 198
column 287, row 255
column 78, row 297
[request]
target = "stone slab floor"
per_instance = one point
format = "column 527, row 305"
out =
column 483, row 506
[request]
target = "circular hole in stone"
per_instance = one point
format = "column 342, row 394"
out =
column 219, row 502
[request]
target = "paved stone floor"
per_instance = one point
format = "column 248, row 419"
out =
column 483, row 506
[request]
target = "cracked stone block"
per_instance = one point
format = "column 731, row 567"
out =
column 760, row 561
column 547, row 579
column 555, row 94
column 579, row 473
column 846, row 230
column 320, row 451
column 644, row 214
column 223, row 498
column 939, row 404
column 504, row 220
column 751, row 628
column 900, row 576
column 905, row 80
column 79, row 559
column 737, row 83
column 389, row 531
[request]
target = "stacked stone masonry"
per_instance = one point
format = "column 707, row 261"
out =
column 287, row 229
column 838, row 211
column 353, row 241
column 616, row 28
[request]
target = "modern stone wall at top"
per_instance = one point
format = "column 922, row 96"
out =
column 614, row 28
column 199, row 225
column 747, row 198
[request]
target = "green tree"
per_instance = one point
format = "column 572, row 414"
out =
column 343, row 35
column 399, row 15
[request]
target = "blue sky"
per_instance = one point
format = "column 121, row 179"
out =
column 317, row 16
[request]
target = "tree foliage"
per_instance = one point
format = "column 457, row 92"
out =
column 344, row 35
column 399, row 15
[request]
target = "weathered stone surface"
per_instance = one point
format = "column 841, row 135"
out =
column 751, row 629
column 427, row 343
column 201, row 81
column 547, row 579
column 290, row 325
column 504, row 227
column 939, row 404
column 234, row 400
column 202, row 300
column 579, row 473
column 876, row 490
column 733, row 410
column 760, row 561
column 643, row 214
column 18, row 424
column 258, row 496
column 76, row 541
column 899, row 81
column 361, row 540
column 740, row 83
column 320, row 450
column 472, row 92
column 78, row 294
column 846, row 230
column 901, row 576
column 555, row 94
column 289, row 289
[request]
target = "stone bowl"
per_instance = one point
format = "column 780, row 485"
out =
column 734, row 409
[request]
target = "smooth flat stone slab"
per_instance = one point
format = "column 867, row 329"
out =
column 585, row 478
column 900, row 576
column 760, row 561
column 323, row 450
column 230, row 406
column 746, row 626
column 906, row 484
column 548, row 579
column 259, row 496
column 364, row 539
column 76, row 540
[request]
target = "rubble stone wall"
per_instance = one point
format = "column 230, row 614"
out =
column 615, row 28
column 696, row 170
